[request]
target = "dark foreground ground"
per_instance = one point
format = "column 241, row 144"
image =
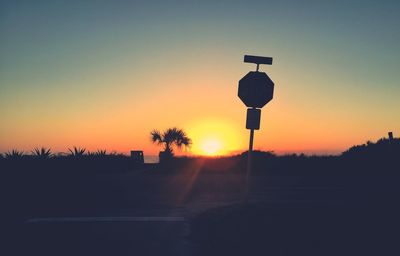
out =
column 153, row 211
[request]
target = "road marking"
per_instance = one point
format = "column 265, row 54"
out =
column 105, row 219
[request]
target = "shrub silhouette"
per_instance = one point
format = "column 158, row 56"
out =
column 382, row 148
column 14, row 154
column 77, row 152
column 100, row 153
column 42, row 153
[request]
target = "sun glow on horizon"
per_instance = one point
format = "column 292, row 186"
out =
column 211, row 147
column 214, row 137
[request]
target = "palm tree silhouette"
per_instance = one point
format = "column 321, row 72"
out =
column 169, row 138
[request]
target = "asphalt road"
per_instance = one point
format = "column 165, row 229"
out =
column 155, row 220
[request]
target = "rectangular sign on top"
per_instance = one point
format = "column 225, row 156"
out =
column 258, row 59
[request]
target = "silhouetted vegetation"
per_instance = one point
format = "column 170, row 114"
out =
column 43, row 153
column 77, row 161
column 99, row 153
column 169, row 138
column 14, row 154
column 77, row 152
column 364, row 158
column 383, row 148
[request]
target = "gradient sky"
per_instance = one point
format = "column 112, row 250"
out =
column 103, row 74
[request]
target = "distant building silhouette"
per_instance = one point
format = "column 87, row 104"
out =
column 137, row 156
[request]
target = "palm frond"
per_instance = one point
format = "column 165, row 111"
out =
column 170, row 137
column 183, row 140
column 156, row 137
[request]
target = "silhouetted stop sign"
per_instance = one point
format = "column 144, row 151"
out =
column 256, row 89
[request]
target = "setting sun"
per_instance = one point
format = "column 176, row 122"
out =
column 211, row 146
column 213, row 137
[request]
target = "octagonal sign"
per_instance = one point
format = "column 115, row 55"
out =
column 256, row 89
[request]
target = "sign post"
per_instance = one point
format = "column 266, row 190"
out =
column 256, row 89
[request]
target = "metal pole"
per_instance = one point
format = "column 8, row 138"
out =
column 249, row 165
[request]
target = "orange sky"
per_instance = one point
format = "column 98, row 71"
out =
column 103, row 77
column 201, row 101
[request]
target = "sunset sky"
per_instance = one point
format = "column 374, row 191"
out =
column 103, row 74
